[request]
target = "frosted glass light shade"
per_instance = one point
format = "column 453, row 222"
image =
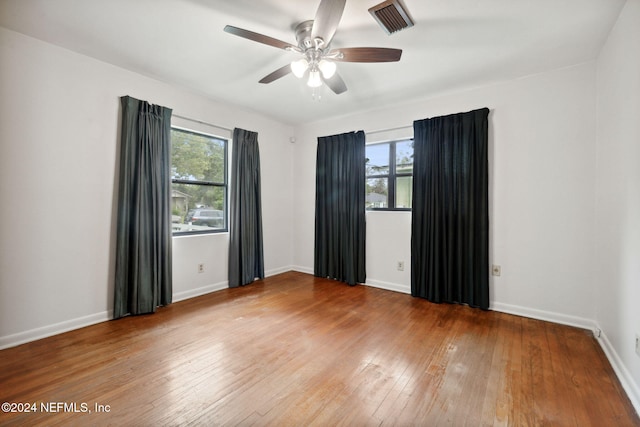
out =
column 314, row 79
column 299, row 67
column 327, row 68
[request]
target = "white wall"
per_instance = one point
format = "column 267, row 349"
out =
column 58, row 155
column 542, row 145
column 618, row 196
column 59, row 114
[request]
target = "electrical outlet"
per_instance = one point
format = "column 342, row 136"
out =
column 400, row 266
column 496, row 270
column 638, row 344
column 200, row 268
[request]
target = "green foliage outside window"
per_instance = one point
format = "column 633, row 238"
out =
column 198, row 175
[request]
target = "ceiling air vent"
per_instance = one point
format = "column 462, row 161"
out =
column 391, row 16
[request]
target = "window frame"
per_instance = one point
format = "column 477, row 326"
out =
column 224, row 184
column 391, row 176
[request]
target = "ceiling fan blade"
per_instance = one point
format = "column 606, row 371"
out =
column 280, row 72
column 336, row 84
column 368, row 54
column 260, row 38
column 327, row 19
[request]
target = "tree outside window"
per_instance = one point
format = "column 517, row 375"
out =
column 198, row 182
column 389, row 169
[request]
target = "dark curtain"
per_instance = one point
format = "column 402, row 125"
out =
column 143, row 241
column 340, row 210
column 246, row 259
column 450, row 214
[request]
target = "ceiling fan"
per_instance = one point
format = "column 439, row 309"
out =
column 318, row 60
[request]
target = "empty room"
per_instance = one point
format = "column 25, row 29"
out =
column 320, row 212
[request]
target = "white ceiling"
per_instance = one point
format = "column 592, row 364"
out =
column 454, row 44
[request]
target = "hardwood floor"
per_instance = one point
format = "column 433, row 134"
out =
column 295, row 350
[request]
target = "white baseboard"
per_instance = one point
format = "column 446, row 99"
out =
column 55, row 329
column 389, row 286
column 300, row 269
column 192, row 293
column 628, row 383
column 69, row 325
column 626, row 380
column 549, row 316
column 277, row 271
column 372, row 283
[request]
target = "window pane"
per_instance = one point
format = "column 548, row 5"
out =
column 377, row 193
column 404, row 191
column 384, row 162
column 404, row 157
column 377, row 159
column 197, row 207
column 196, row 157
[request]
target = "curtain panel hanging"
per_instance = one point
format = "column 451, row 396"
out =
column 246, row 258
column 450, row 213
column 143, row 235
column 340, row 208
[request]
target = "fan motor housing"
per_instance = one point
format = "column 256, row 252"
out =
column 303, row 35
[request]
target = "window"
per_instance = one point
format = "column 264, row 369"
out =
column 389, row 167
column 198, row 182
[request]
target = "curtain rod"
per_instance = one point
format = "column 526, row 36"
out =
column 201, row 122
column 231, row 130
column 388, row 130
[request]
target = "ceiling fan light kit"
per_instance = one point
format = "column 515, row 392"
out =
column 314, row 59
column 326, row 68
column 318, row 59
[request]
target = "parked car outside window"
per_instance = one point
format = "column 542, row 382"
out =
column 208, row 217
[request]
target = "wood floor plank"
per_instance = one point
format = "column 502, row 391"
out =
column 297, row 350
